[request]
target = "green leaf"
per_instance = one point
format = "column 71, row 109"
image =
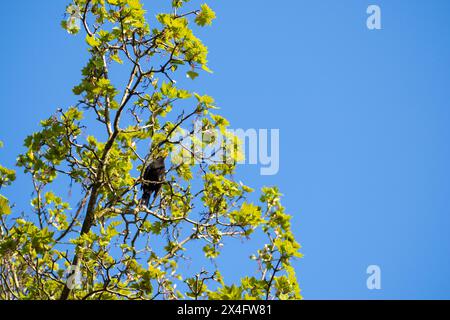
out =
column 4, row 206
column 206, row 16
column 92, row 41
column 192, row 75
column 210, row 251
column 116, row 58
column 205, row 68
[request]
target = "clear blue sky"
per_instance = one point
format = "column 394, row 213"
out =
column 364, row 119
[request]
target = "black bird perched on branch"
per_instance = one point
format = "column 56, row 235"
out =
column 154, row 176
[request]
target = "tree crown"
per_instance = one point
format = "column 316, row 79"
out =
column 119, row 248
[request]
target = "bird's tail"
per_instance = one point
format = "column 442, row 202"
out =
column 145, row 199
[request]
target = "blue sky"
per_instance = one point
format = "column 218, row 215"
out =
column 363, row 118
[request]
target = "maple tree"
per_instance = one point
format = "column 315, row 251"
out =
column 119, row 248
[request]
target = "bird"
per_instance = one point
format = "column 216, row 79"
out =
column 154, row 175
